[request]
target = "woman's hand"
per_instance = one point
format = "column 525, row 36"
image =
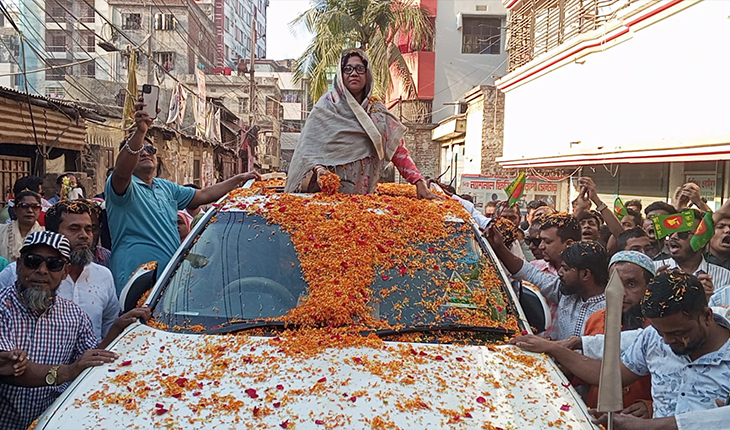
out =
column 423, row 192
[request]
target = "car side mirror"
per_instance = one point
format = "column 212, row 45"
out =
column 141, row 281
column 535, row 307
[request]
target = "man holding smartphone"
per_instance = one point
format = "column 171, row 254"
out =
column 142, row 209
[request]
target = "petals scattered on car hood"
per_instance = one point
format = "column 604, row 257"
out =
column 177, row 380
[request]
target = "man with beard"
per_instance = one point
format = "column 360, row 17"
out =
column 88, row 284
column 578, row 290
column 686, row 350
column 635, row 270
column 55, row 332
column 682, row 256
column 718, row 251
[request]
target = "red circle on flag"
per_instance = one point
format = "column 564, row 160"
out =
column 673, row 221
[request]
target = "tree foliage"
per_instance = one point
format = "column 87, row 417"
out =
column 376, row 26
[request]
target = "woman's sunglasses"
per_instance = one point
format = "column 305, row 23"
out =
column 150, row 149
column 54, row 264
column 33, row 206
column 360, row 69
column 533, row 241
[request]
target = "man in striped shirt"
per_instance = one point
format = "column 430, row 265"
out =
column 55, row 332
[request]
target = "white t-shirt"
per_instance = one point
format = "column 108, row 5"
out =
column 93, row 292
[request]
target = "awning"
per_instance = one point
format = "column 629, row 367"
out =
column 697, row 153
column 449, row 128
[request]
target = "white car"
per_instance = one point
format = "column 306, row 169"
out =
column 321, row 312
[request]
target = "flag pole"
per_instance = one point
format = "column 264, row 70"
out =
column 610, row 421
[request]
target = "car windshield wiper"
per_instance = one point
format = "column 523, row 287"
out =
column 248, row 325
column 444, row 327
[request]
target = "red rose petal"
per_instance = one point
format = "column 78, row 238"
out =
column 161, row 411
column 565, row 408
column 402, row 270
column 177, row 395
column 357, row 360
column 499, row 308
column 159, row 405
column 380, row 247
column 279, row 387
column 431, row 250
column 389, row 243
column 252, row 393
column 125, row 363
column 384, row 277
column 319, row 422
column 467, row 415
column 481, row 399
column 181, row 381
column 353, row 399
column 566, row 385
column 285, row 424
column 524, row 332
column 322, row 380
column 439, row 358
column 276, row 404
column 196, row 393
column 459, row 359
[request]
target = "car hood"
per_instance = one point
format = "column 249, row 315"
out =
column 176, row 380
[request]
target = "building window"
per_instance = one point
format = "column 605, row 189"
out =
column 88, row 40
column 56, row 40
column 272, row 108
column 242, row 105
column 481, row 35
column 131, row 21
column 57, row 72
column 228, row 24
column 87, row 11
column 56, row 10
column 164, row 21
column 166, row 60
column 88, row 69
column 197, row 173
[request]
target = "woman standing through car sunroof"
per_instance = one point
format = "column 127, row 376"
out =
column 351, row 134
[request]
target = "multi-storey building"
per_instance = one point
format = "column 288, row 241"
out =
column 234, row 20
column 179, row 34
column 62, row 39
column 468, row 50
column 633, row 93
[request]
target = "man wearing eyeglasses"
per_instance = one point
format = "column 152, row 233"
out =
column 56, row 333
column 142, row 209
column 684, row 257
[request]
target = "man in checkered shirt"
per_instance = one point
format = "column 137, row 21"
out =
column 55, row 332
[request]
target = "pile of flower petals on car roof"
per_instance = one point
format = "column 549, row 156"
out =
column 341, row 240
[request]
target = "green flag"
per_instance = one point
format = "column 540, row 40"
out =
column 516, row 189
column 664, row 225
column 703, row 234
column 619, row 209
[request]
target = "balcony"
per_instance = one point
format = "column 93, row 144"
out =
column 538, row 26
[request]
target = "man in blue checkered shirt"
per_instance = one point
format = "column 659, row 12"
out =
column 55, row 332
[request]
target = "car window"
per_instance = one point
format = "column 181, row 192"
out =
column 243, row 268
column 240, row 267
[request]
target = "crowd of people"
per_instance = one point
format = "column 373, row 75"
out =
column 68, row 258
column 675, row 339
column 65, row 260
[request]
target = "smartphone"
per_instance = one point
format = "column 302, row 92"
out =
column 150, row 97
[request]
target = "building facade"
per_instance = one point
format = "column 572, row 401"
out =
column 179, row 34
column 596, row 88
column 468, row 50
column 234, row 20
column 62, row 39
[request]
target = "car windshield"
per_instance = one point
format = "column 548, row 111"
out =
column 242, row 268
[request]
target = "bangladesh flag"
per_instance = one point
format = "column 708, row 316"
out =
column 619, row 209
column 664, row 225
column 516, row 189
column 703, row 234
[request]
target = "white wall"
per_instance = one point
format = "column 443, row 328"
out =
column 665, row 87
column 473, row 137
column 457, row 73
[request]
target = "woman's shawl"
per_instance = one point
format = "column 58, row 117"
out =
column 339, row 131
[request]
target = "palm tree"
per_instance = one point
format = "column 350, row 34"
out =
column 372, row 25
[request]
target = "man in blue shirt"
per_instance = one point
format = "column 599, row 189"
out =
column 142, row 209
